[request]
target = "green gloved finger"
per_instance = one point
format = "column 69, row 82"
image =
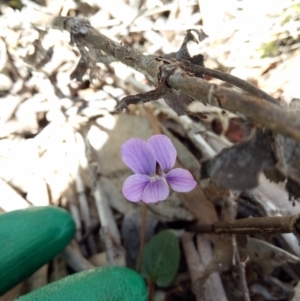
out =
column 100, row 284
column 29, row 238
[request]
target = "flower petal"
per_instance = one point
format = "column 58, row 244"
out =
column 156, row 190
column 138, row 156
column 165, row 152
column 134, row 187
column 181, row 180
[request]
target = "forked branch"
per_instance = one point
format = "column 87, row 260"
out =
column 262, row 110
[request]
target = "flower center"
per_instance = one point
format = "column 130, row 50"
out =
column 158, row 173
column 158, row 170
column 154, row 178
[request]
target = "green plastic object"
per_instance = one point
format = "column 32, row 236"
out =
column 29, row 238
column 100, row 284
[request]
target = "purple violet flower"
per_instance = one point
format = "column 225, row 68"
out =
column 150, row 160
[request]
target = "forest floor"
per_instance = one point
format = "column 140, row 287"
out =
column 60, row 138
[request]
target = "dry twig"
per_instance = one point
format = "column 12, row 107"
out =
column 253, row 225
column 92, row 44
column 104, row 211
column 229, row 211
column 231, row 79
column 194, row 263
column 75, row 260
column 214, row 288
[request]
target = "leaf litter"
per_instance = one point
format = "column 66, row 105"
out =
column 61, row 137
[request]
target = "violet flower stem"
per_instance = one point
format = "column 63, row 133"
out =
column 142, row 237
column 150, row 290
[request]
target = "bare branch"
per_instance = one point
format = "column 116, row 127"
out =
column 260, row 111
column 231, row 80
column 267, row 114
column 253, row 225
